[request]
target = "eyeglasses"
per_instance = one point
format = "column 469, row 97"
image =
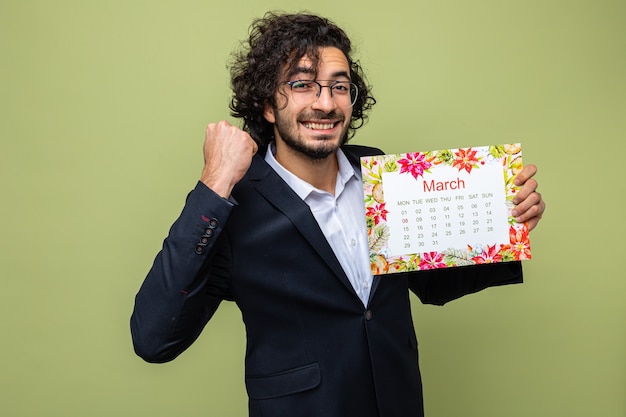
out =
column 305, row 92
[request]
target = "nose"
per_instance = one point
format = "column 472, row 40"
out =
column 325, row 100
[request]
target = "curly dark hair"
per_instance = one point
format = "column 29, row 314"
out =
column 275, row 44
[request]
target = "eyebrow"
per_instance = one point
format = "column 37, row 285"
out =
column 310, row 70
column 303, row 70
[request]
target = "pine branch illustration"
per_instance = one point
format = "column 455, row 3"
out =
column 458, row 257
column 378, row 237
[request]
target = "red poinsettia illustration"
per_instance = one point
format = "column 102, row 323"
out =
column 489, row 255
column 432, row 260
column 414, row 163
column 465, row 159
column 377, row 212
column 520, row 243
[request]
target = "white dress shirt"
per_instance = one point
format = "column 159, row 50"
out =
column 341, row 218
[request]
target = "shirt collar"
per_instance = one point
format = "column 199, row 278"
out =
column 303, row 188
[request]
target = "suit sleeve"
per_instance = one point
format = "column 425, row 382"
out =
column 439, row 286
column 187, row 281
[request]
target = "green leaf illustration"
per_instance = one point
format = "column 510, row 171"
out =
column 378, row 237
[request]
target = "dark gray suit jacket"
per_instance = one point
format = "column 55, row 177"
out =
column 313, row 349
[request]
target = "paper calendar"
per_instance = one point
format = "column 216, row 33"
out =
column 445, row 208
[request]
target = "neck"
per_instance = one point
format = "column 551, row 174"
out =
column 320, row 173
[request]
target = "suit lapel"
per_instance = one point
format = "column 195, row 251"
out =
column 272, row 187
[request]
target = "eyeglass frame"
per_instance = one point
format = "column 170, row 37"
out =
column 331, row 87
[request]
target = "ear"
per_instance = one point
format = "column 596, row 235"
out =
column 268, row 113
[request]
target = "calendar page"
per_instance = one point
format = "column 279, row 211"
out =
column 445, row 208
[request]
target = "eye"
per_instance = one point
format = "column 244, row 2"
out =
column 341, row 87
column 301, row 85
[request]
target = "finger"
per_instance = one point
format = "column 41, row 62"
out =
column 526, row 204
column 525, row 174
column 255, row 145
column 530, row 186
column 533, row 221
column 530, row 208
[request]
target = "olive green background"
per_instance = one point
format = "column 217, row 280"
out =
column 103, row 110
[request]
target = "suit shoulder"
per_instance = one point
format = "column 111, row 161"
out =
column 361, row 150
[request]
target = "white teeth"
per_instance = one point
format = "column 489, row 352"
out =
column 319, row 126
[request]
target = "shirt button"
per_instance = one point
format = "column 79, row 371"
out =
column 368, row 315
column 353, row 242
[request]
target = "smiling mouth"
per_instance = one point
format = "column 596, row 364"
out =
column 318, row 126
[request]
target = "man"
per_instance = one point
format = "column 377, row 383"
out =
column 276, row 224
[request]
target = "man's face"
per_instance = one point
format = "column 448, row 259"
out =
column 317, row 129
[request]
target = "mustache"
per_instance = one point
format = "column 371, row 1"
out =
column 320, row 115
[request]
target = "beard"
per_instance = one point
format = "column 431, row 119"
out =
column 323, row 147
